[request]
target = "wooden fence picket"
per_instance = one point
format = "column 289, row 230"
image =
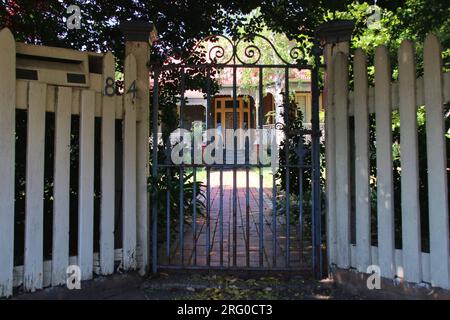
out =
column 385, row 191
column 342, row 160
column 436, row 164
column 86, row 185
column 34, row 207
column 330, row 159
column 61, row 189
column 7, row 159
column 362, row 196
column 108, row 190
column 410, row 164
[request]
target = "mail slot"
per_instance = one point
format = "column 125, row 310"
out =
column 56, row 66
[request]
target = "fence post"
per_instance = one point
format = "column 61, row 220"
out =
column 335, row 37
column 139, row 36
column 129, row 161
column 7, row 158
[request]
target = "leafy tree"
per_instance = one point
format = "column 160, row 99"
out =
column 182, row 23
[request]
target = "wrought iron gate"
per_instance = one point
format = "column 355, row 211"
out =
column 225, row 214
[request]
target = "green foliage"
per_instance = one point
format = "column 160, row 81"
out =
column 413, row 21
column 296, row 149
column 167, row 184
column 181, row 24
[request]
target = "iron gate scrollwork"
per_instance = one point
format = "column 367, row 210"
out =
column 234, row 220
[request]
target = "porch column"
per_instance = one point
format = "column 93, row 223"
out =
column 139, row 36
column 335, row 37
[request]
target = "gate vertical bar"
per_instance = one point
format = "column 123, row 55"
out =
column 208, row 171
column 286, row 148
column 316, row 217
column 273, row 143
column 155, row 171
column 169, row 184
column 221, row 213
column 194, row 213
column 181, row 203
column 300, row 196
column 234, row 167
column 247, row 207
column 261, row 216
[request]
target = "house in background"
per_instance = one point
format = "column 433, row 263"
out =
column 247, row 102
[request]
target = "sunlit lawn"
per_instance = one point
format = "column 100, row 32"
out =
column 254, row 174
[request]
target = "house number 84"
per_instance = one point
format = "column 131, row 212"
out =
column 110, row 88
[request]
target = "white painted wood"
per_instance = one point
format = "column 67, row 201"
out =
column 330, row 158
column 108, row 173
column 142, row 163
column 129, row 169
column 362, row 195
column 420, row 95
column 34, row 207
column 399, row 262
column 385, row 196
column 86, row 185
column 412, row 250
column 61, row 190
column 7, row 158
column 141, row 53
column 436, row 164
column 342, row 160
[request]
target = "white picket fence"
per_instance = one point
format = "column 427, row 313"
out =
column 406, row 95
column 37, row 98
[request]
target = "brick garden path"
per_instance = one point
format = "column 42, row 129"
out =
column 244, row 257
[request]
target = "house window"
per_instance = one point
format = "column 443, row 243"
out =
column 303, row 101
column 245, row 120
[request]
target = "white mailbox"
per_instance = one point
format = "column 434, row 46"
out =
column 58, row 66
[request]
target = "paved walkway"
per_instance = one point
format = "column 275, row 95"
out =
column 197, row 286
column 248, row 234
